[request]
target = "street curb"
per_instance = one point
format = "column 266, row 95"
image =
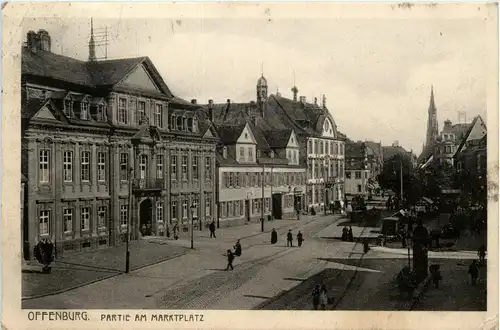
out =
column 99, row 279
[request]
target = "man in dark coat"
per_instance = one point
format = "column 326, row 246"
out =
column 289, row 238
column 230, row 259
column 482, row 254
column 211, row 227
column 349, row 234
column 300, row 239
column 474, row 272
column 274, row 236
column 315, row 297
column 344, row 233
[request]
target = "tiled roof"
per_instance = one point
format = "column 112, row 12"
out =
column 467, row 134
column 31, row 108
column 89, row 74
column 229, row 134
column 278, row 139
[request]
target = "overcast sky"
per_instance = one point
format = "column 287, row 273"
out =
column 376, row 73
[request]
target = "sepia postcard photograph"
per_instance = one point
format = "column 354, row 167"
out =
column 206, row 165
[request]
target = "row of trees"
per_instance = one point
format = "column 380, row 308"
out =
column 430, row 182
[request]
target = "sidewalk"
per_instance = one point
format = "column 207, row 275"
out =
column 84, row 268
column 455, row 293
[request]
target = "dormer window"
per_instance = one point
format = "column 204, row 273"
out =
column 84, row 110
column 179, row 123
column 171, row 123
column 190, row 124
column 184, row 124
column 195, row 125
column 258, row 153
column 68, row 106
column 224, row 152
column 100, row 112
column 271, row 154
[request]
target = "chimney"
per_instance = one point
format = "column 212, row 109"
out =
column 315, row 101
column 228, row 101
column 323, row 101
column 193, row 101
column 211, row 110
column 302, row 99
column 44, row 40
column 31, row 41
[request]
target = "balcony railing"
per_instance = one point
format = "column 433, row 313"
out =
column 147, row 184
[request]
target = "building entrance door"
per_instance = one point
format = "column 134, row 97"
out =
column 277, row 206
column 145, row 217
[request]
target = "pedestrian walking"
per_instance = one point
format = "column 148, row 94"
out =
column 176, row 231
column 300, row 239
column 315, row 296
column 474, row 272
column 230, row 259
column 274, row 236
column 482, row 254
column 349, row 235
column 323, row 298
column 289, row 238
column 237, row 248
column 211, row 227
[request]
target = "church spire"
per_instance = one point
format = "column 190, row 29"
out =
column 432, row 123
column 92, row 42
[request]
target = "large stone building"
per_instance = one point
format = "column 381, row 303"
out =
column 448, row 141
column 94, row 131
column 320, row 145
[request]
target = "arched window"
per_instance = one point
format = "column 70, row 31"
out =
column 224, row 152
column 190, row 124
column 309, row 147
column 184, row 123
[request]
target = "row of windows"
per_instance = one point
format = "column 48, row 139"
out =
column 184, row 206
column 182, row 123
column 237, row 208
column 246, row 179
column 44, row 166
column 100, row 166
column 126, row 111
column 325, row 147
column 44, row 219
column 317, row 169
column 356, row 174
column 85, row 108
column 317, row 198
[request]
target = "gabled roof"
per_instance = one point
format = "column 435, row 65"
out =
column 278, row 139
column 107, row 73
column 229, row 134
column 468, row 135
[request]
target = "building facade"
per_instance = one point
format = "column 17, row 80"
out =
column 108, row 149
column 360, row 169
column 320, row 147
column 258, row 179
column 448, row 141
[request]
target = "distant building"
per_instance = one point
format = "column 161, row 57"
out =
column 320, row 145
column 471, row 152
column 363, row 164
column 448, row 141
column 94, row 130
column 395, row 149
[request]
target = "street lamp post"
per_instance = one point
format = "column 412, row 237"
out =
column 263, row 203
column 408, row 243
column 127, row 253
column 192, row 225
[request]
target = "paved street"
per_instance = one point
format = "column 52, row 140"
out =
column 265, row 276
column 147, row 287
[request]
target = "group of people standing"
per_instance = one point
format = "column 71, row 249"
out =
column 319, row 297
column 289, row 238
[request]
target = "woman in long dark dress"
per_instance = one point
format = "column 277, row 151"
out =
column 274, row 237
